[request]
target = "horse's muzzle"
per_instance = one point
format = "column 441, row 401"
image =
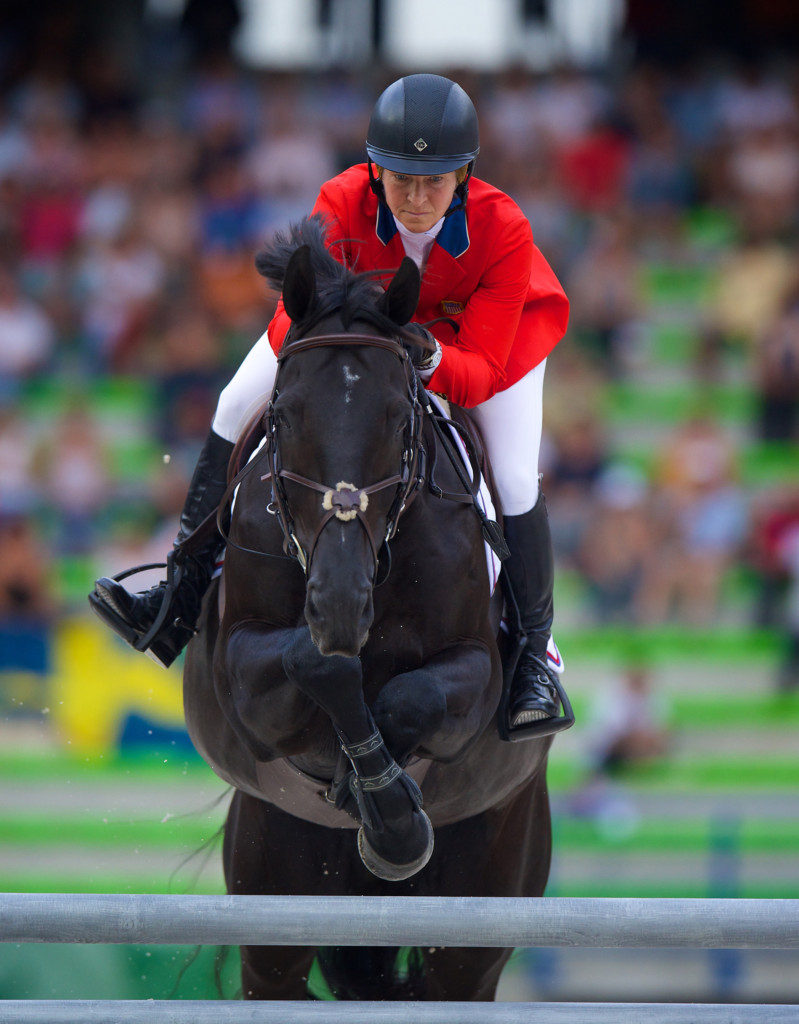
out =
column 339, row 621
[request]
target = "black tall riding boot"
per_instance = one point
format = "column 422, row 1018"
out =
column 134, row 615
column 534, row 693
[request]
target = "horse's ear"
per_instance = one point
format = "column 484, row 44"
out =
column 299, row 284
column 402, row 295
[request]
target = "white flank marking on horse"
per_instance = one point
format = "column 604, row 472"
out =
column 350, row 378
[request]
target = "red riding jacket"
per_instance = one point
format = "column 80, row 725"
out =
column 484, row 272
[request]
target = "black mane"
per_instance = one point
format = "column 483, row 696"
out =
column 339, row 289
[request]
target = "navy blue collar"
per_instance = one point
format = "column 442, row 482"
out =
column 386, row 227
column 453, row 236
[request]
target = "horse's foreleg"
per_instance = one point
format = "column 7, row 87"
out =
column 267, row 711
column 436, row 709
column 396, row 840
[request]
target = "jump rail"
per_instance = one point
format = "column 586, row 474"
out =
column 399, row 921
column 196, row 1012
column 394, row 921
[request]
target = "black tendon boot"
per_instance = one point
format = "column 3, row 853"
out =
column 535, row 692
column 176, row 600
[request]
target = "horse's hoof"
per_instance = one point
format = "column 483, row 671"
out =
column 386, row 869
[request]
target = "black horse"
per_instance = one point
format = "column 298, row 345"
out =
column 346, row 687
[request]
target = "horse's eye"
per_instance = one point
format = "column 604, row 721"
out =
column 396, row 420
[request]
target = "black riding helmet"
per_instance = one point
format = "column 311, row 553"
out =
column 422, row 124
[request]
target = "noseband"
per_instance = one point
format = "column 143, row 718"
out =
column 345, row 501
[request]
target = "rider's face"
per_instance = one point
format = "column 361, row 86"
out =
column 419, row 201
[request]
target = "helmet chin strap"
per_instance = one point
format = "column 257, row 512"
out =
column 375, row 184
column 462, row 192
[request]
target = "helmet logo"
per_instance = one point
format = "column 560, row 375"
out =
column 420, row 144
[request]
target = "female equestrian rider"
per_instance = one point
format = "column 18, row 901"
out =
column 415, row 196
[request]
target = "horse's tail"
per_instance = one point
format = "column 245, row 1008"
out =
column 374, row 973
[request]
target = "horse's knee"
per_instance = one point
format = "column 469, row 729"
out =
column 405, row 714
column 331, row 680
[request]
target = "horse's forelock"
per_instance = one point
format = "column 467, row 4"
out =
column 272, row 261
column 339, row 289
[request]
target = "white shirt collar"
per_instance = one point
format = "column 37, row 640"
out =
column 417, row 244
column 417, row 235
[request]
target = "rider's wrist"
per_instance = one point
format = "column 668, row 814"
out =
column 428, row 366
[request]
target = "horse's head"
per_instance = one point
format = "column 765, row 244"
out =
column 344, row 427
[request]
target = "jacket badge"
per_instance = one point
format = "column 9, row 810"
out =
column 451, row 307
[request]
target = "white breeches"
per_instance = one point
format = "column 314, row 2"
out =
column 249, row 389
column 510, row 422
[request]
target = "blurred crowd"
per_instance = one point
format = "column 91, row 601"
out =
column 131, row 206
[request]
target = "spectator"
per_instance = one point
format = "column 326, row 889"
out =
column 72, row 471
column 514, row 115
column 232, row 290
column 118, row 280
column 763, row 174
column 18, row 486
column 616, row 547
column 27, row 608
column 578, row 460
column 660, row 182
column 570, row 106
column 749, row 289
column 169, row 217
column 186, row 358
column 702, row 523
column 777, row 375
column 774, row 519
column 287, row 163
column 628, row 726
column 28, row 338
column 750, row 99
column 534, row 183
column 788, row 554
column 595, row 167
column 25, row 585
column 52, row 200
column 605, row 290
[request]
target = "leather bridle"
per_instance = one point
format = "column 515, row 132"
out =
column 345, row 501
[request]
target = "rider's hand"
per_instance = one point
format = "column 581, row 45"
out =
column 425, row 360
